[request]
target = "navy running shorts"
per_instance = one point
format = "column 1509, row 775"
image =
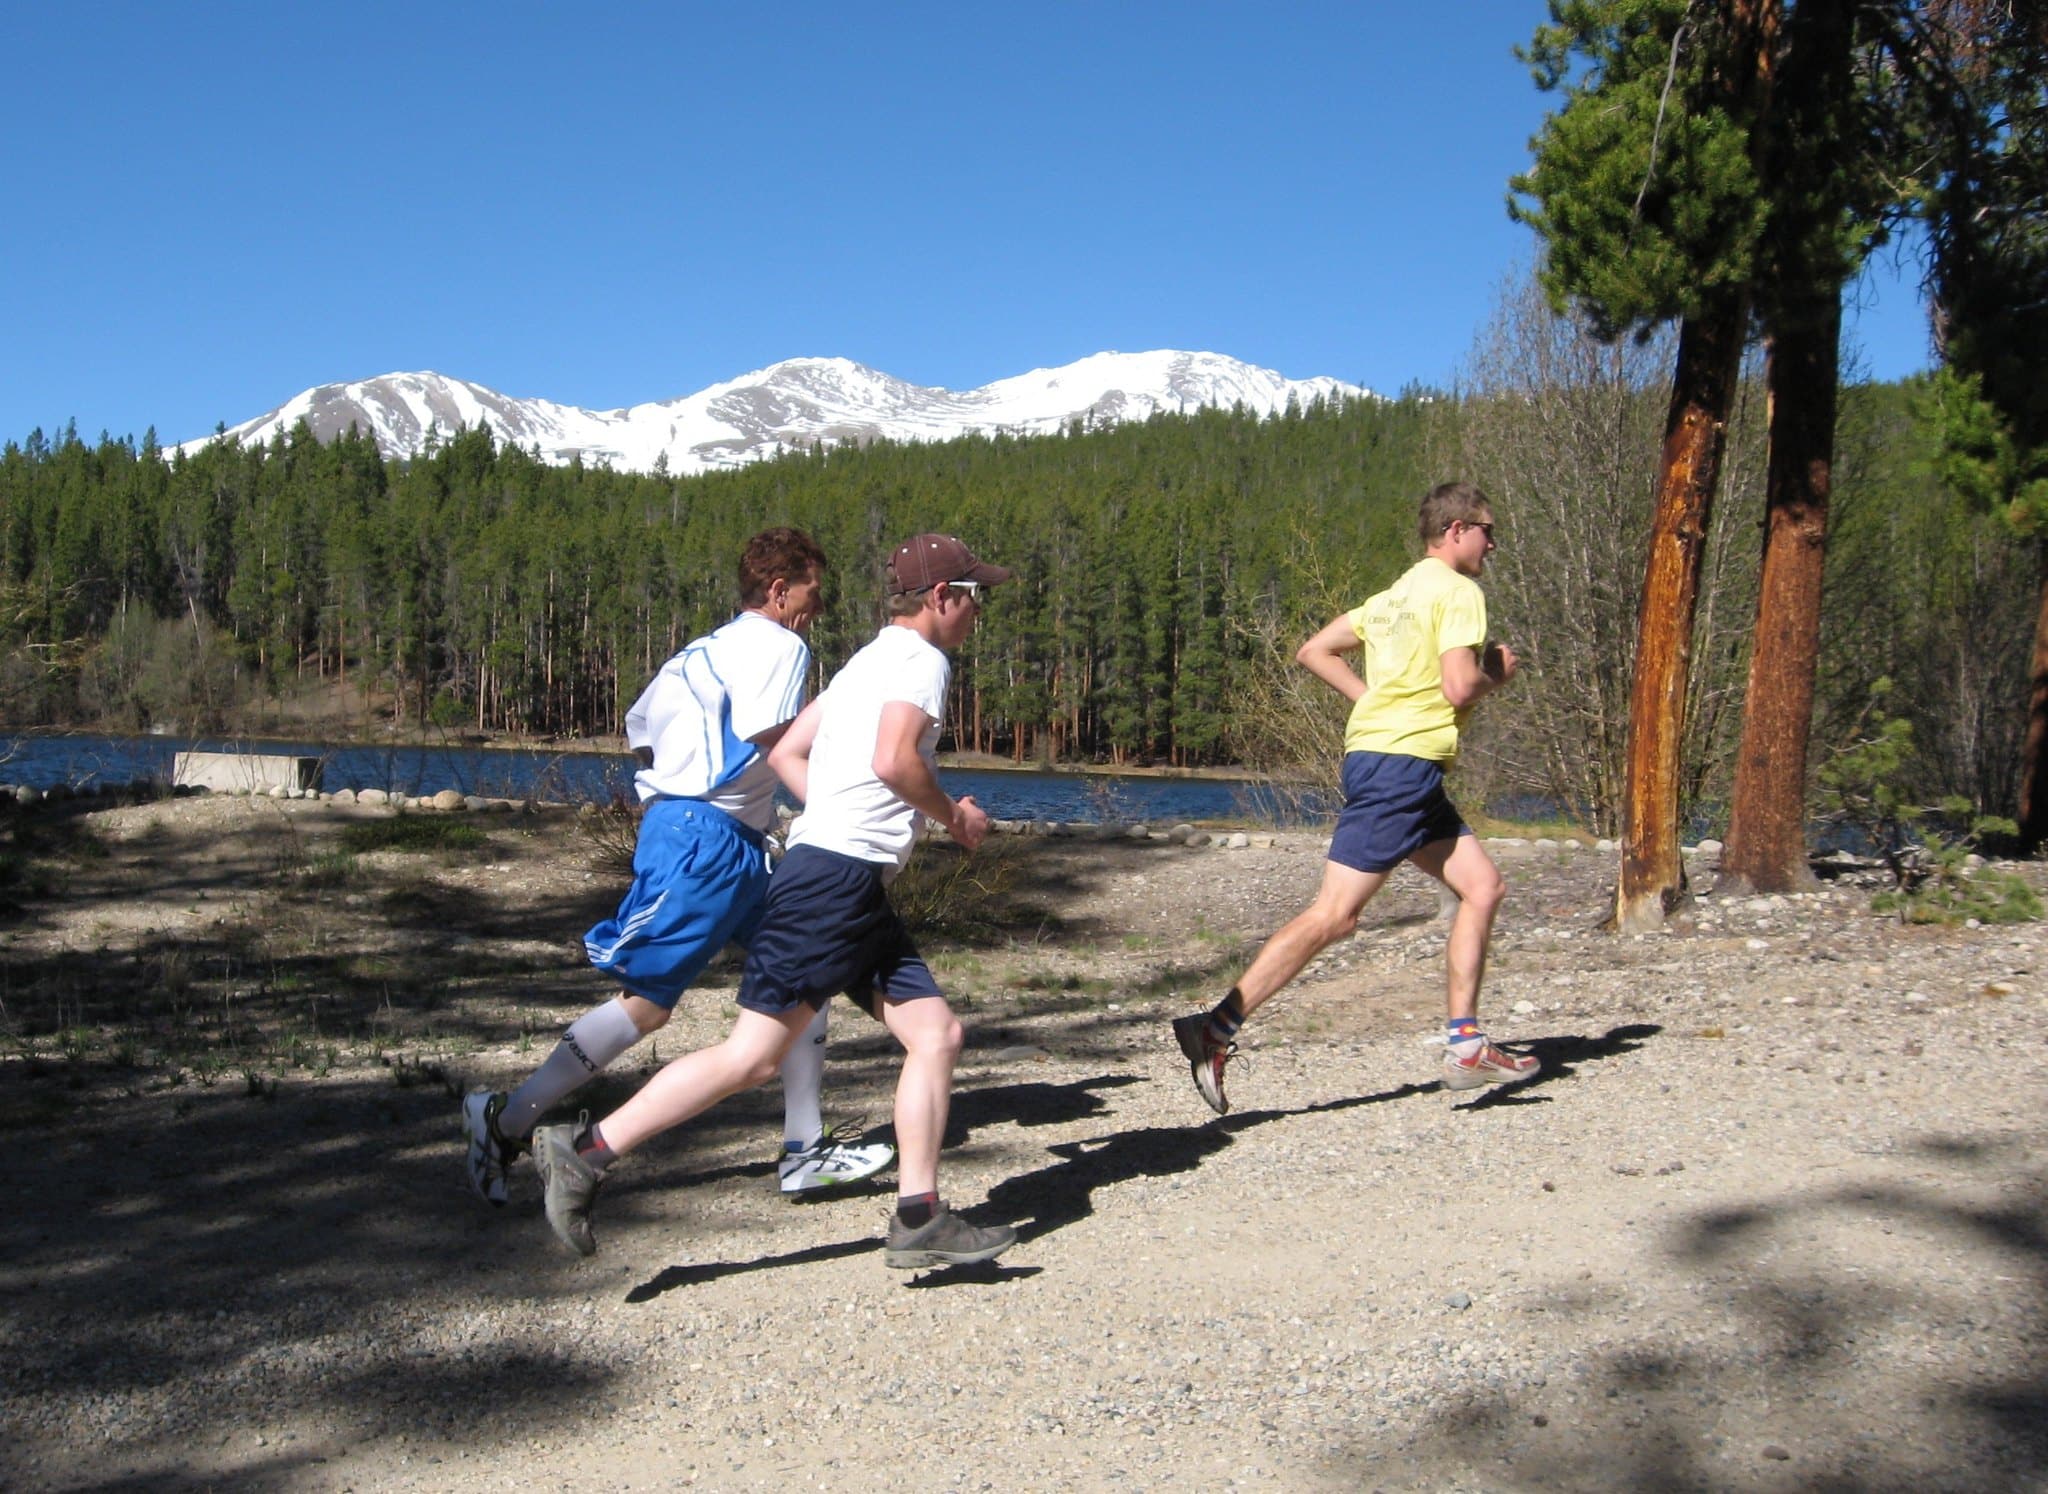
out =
column 828, row 928
column 700, row 879
column 1393, row 807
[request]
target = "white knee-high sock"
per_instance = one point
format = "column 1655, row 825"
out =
column 803, row 1082
column 592, row 1041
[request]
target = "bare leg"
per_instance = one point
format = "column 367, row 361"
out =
column 1333, row 914
column 931, row 1039
column 645, row 1014
column 695, row 1082
column 1462, row 865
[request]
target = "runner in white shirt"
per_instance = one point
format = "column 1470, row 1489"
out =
column 860, row 757
column 702, row 730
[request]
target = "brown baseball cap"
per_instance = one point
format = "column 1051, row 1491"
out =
column 925, row 561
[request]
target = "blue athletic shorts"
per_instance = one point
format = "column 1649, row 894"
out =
column 829, row 928
column 1393, row 807
column 699, row 881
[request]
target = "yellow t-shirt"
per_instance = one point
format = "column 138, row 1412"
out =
column 1405, row 631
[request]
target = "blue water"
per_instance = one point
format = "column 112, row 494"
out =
column 573, row 777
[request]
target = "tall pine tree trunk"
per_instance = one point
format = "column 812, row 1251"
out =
column 1802, row 313
column 1766, row 849
column 1695, row 431
column 2034, row 754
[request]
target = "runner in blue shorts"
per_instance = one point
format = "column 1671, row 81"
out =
column 1425, row 663
column 861, row 759
column 702, row 731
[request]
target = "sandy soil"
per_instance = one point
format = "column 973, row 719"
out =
column 1773, row 1217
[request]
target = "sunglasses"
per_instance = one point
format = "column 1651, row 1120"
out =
column 972, row 588
column 1485, row 529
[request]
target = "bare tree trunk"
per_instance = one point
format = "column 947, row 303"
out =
column 1766, row 848
column 2034, row 752
column 1702, row 394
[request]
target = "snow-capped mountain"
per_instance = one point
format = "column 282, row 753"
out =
column 788, row 405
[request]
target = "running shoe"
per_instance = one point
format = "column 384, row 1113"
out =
column 945, row 1239
column 830, row 1162
column 490, row 1155
column 568, row 1185
column 1206, row 1058
column 1490, row 1065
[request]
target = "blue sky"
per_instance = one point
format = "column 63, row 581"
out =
column 212, row 207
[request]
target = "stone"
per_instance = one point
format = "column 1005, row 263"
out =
column 448, row 801
column 372, row 796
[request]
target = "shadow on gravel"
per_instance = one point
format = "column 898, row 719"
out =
column 674, row 1278
column 1887, row 1335
column 1053, row 1197
column 1561, row 1056
column 299, row 1244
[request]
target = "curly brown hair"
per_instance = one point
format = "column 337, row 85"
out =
column 777, row 555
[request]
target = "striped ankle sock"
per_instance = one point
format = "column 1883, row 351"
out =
column 1226, row 1018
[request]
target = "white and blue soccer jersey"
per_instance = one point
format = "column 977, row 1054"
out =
column 734, row 683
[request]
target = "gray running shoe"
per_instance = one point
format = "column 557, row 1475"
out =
column 490, row 1155
column 945, row 1239
column 568, row 1184
column 1206, row 1058
column 834, row 1159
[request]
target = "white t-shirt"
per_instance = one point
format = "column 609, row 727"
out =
column 734, row 683
column 850, row 810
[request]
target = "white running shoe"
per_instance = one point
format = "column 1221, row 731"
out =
column 1489, row 1065
column 830, row 1163
column 489, row 1157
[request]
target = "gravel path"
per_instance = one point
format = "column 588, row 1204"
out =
column 1773, row 1217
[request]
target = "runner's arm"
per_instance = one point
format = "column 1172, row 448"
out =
column 789, row 751
column 1471, row 674
column 1323, row 657
column 906, row 774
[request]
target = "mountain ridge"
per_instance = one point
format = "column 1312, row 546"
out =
column 787, row 405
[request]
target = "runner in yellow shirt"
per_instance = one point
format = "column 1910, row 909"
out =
column 1426, row 662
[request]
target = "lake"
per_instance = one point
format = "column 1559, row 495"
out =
column 573, row 777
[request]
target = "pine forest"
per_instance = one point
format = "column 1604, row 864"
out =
column 1166, row 571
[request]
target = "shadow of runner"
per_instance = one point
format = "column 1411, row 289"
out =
column 1032, row 1103
column 1062, row 1194
column 1560, row 1056
column 673, row 1278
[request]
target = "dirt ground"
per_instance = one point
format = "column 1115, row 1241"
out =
column 1772, row 1217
